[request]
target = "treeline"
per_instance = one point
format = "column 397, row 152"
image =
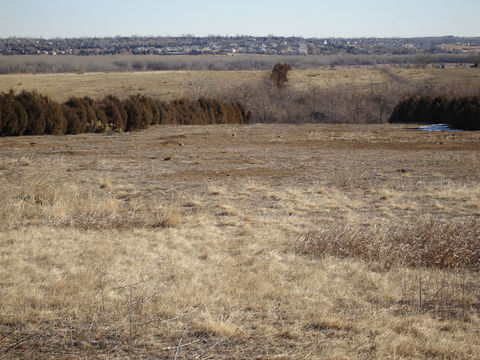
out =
column 458, row 112
column 29, row 113
column 33, row 64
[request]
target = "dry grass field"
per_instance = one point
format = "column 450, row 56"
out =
column 174, row 84
column 240, row 242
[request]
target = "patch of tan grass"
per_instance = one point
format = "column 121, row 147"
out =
column 39, row 200
column 105, row 183
column 168, row 216
column 154, row 290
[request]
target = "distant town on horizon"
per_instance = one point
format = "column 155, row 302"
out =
column 215, row 45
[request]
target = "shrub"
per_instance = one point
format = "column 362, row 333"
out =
column 91, row 114
column 459, row 113
column 115, row 113
column 155, row 112
column 464, row 113
column 13, row 117
column 71, row 119
column 147, row 113
column 279, row 74
column 135, row 114
column 76, row 124
column 36, row 108
column 56, row 124
column 34, row 114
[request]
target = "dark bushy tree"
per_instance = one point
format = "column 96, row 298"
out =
column 56, row 124
column 459, row 113
column 279, row 74
column 76, row 124
column 114, row 111
column 13, row 117
column 91, row 114
column 71, row 118
column 137, row 114
column 465, row 113
column 102, row 123
column 36, row 107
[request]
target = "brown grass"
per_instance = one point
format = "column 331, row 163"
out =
column 431, row 243
column 174, row 84
column 285, row 241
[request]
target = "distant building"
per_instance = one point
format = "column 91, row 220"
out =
column 303, row 49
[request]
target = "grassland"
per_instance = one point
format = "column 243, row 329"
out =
column 213, row 242
column 173, row 84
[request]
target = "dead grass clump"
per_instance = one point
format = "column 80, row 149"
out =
column 105, row 183
column 431, row 244
column 213, row 327
column 169, row 216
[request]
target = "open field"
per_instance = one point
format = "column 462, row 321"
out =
column 258, row 241
column 175, row 84
column 464, row 49
column 359, row 95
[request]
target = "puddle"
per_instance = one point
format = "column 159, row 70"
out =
column 437, row 127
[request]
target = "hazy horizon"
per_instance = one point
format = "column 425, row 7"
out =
column 236, row 35
column 306, row 18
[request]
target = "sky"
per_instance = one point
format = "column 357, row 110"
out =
column 307, row 18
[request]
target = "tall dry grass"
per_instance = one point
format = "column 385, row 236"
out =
column 444, row 258
column 366, row 102
column 432, row 244
column 41, row 199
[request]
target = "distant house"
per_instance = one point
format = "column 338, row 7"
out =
column 175, row 53
column 303, row 49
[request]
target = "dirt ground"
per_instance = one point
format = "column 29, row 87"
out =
column 357, row 160
column 181, row 242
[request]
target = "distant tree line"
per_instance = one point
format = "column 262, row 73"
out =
column 29, row 113
column 16, row 64
column 458, row 112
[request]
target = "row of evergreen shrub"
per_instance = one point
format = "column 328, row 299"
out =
column 29, row 113
column 459, row 113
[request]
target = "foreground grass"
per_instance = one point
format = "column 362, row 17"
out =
column 225, row 250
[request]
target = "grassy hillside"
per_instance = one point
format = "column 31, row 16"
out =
column 175, row 84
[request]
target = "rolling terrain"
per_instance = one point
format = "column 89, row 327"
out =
column 174, row 84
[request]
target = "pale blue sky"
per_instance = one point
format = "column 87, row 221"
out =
column 308, row 18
